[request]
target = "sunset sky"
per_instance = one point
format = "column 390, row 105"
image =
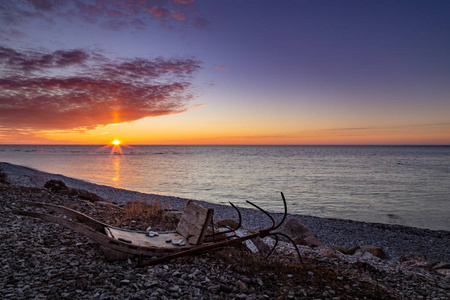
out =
column 224, row 72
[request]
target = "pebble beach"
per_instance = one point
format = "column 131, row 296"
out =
column 41, row 260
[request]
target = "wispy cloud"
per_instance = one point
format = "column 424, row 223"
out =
column 111, row 15
column 83, row 89
column 223, row 68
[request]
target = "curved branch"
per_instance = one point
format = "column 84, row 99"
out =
column 240, row 217
column 285, row 212
column 293, row 243
column 267, row 214
column 274, row 246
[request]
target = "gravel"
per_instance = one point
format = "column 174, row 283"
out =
column 41, row 260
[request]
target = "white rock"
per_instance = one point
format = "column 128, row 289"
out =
column 180, row 242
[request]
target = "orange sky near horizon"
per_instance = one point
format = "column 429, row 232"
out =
column 168, row 131
column 223, row 72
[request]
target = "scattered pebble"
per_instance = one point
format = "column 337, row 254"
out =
column 40, row 260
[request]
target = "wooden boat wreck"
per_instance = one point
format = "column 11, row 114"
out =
column 190, row 236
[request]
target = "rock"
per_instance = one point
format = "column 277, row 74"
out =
column 300, row 241
column 365, row 255
column 86, row 195
column 227, row 223
column 340, row 249
column 215, row 288
column 3, row 178
column 375, row 251
column 414, row 256
column 261, row 245
column 174, row 289
column 242, row 286
column 351, row 251
column 294, row 228
column 180, row 242
column 56, row 185
column 312, row 241
column 329, row 253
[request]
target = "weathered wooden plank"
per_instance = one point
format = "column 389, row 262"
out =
column 104, row 239
column 193, row 222
column 141, row 239
column 194, row 212
column 205, row 228
column 190, row 231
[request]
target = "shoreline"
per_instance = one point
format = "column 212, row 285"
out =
column 396, row 240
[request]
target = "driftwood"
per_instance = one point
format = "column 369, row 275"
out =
column 191, row 230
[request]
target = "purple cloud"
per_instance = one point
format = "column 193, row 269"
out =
column 81, row 89
column 223, row 68
column 111, row 15
column 161, row 13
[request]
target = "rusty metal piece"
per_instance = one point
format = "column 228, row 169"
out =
column 273, row 248
column 239, row 215
column 267, row 232
column 264, row 232
column 285, row 212
column 199, row 249
column 293, row 243
column 231, row 230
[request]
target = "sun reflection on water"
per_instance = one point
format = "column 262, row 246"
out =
column 116, row 167
column 116, row 155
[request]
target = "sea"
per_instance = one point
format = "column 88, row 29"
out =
column 404, row 185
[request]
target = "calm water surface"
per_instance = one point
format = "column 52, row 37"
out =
column 408, row 185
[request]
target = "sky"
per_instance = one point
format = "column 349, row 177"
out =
column 225, row 72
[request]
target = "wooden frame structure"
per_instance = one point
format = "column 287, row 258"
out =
column 192, row 229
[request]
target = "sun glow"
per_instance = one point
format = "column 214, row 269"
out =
column 116, row 142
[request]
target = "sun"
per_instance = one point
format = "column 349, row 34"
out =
column 116, row 142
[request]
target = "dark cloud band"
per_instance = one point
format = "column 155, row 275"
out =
column 70, row 89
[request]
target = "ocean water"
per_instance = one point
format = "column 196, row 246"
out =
column 406, row 185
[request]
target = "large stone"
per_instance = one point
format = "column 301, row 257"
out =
column 340, row 249
column 375, row 251
column 86, row 195
column 300, row 241
column 294, row 228
column 312, row 241
column 351, row 251
column 3, row 178
column 227, row 223
column 261, row 245
column 56, row 186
